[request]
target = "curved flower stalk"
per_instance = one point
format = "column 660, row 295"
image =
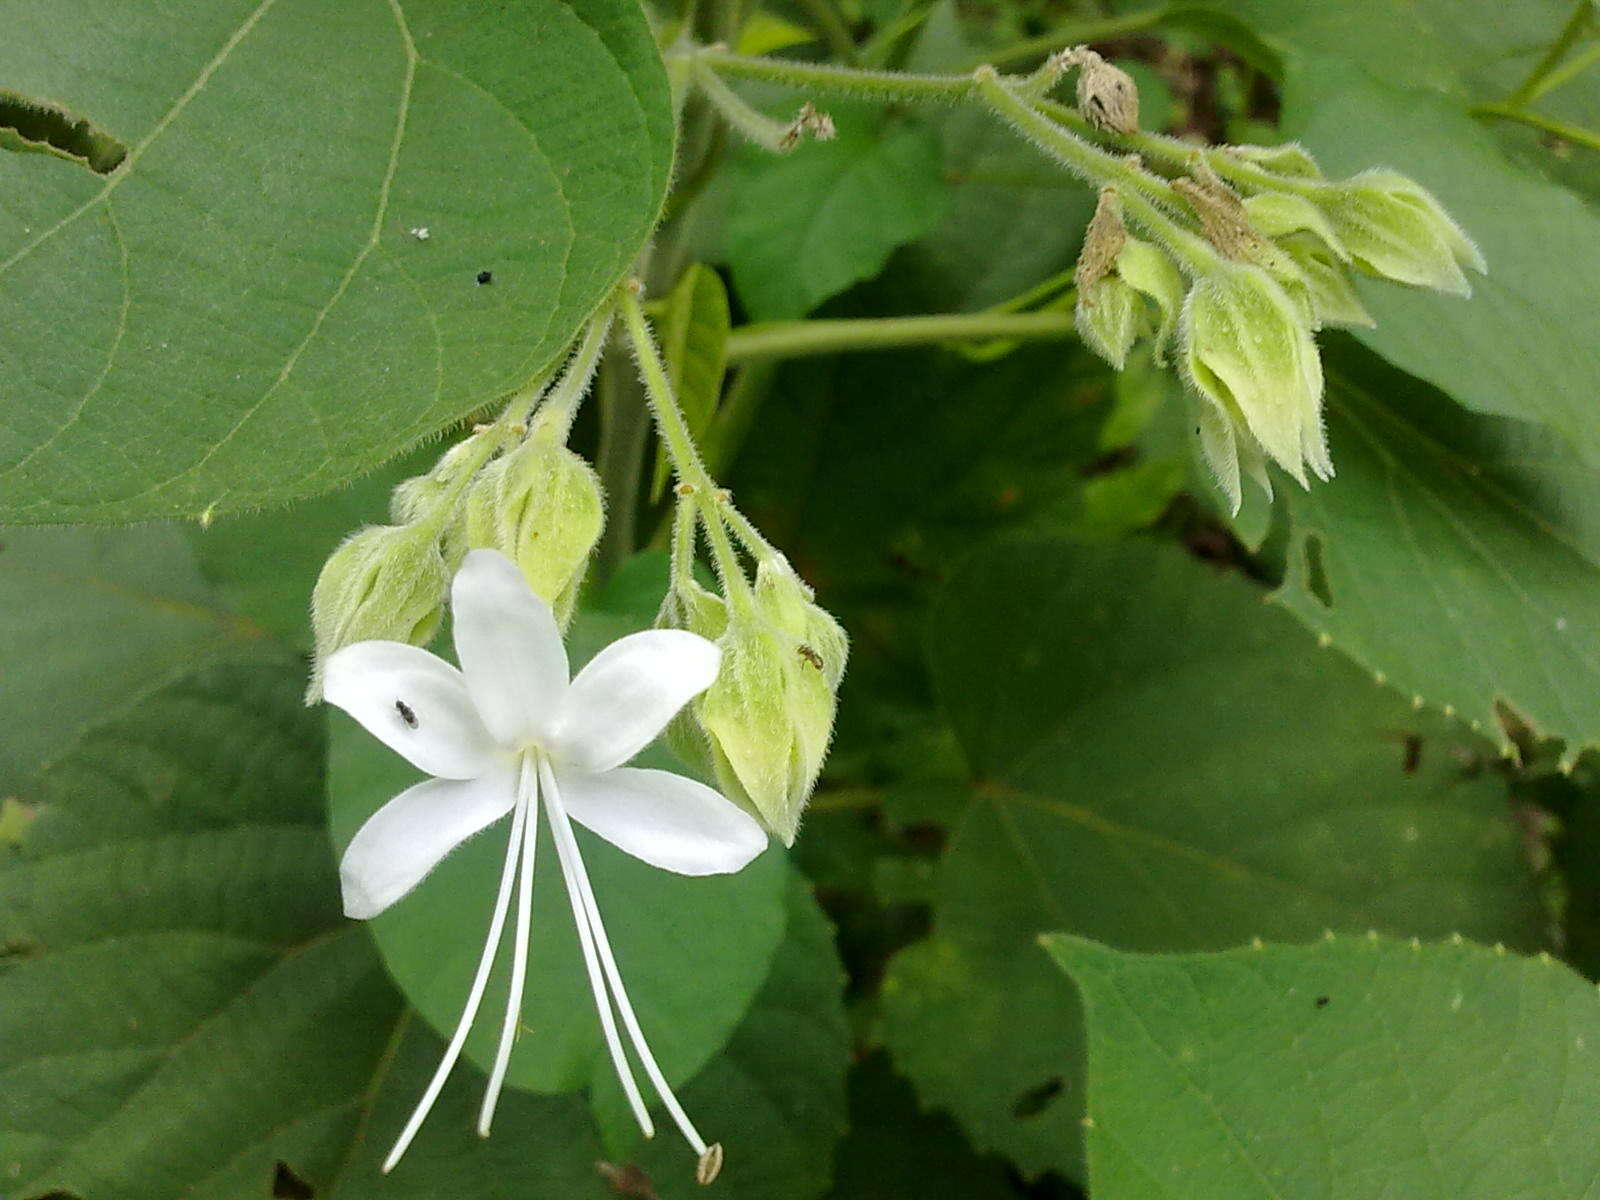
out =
column 505, row 731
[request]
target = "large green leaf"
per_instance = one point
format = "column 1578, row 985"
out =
column 1161, row 762
column 1513, row 348
column 241, row 312
column 896, row 1150
column 174, row 953
column 693, row 951
column 91, row 621
column 1458, row 556
column 184, row 1012
column 804, row 227
column 775, row 1095
column 1355, row 1067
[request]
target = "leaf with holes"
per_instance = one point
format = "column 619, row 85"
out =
column 1161, row 763
column 1355, row 1067
column 1456, row 555
column 337, row 229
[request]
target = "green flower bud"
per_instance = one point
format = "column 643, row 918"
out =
column 1248, row 352
column 1108, row 312
column 1327, row 283
column 541, row 506
column 385, row 582
column 1109, row 316
column 1394, row 228
column 1291, row 159
column 1149, row 269
column 769, row 715
column 1276, row 214
column 417, row 497
column 689, row 606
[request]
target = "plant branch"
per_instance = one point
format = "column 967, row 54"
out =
column 803, row 339
column 839, row 81
column 1098, row 167
column 1532, row 87
column 1076, row 33
column 1577, row 134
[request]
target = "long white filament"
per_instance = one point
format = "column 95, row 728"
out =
column 567, row 847
column 528, row 793
column 497, row 924
column 572, row 872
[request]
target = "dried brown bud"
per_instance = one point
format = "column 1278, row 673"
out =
column 1225, row 220
column 1107, row 96
column 1102, row 241
column 808, row 121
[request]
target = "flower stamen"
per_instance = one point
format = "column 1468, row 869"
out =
column 583, row 894
column 577, row 882
column 480, row 981
column 528, row 799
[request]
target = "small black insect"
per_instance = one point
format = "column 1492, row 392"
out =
column 810, row 655
column 485, row 277
column 1322, row 1002
column 406, row 715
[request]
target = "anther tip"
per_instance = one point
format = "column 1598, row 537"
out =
column 710, row 1165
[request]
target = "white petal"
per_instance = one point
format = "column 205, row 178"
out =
column 413, row 702
column 509, row 646
column 406, row 838
column 628, row 693
column 668, row 821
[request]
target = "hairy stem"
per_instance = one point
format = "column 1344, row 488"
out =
column 801, row 339
column 839, row 81
column 675, row 435
column 1134, row 185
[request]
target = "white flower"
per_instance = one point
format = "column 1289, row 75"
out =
column 505, row 730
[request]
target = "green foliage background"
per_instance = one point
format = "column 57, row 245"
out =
column 1120, row 784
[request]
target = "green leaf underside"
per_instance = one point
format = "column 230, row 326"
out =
column 804, row 227
column 1522, row 345
column 90, row 622
column 692, row 951
column 1459, row 553
column 1354, row 1068
column 1161, row 764
column 240, row 313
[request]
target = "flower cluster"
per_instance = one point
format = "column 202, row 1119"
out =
column 1243, row 253
column 1271, row 266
